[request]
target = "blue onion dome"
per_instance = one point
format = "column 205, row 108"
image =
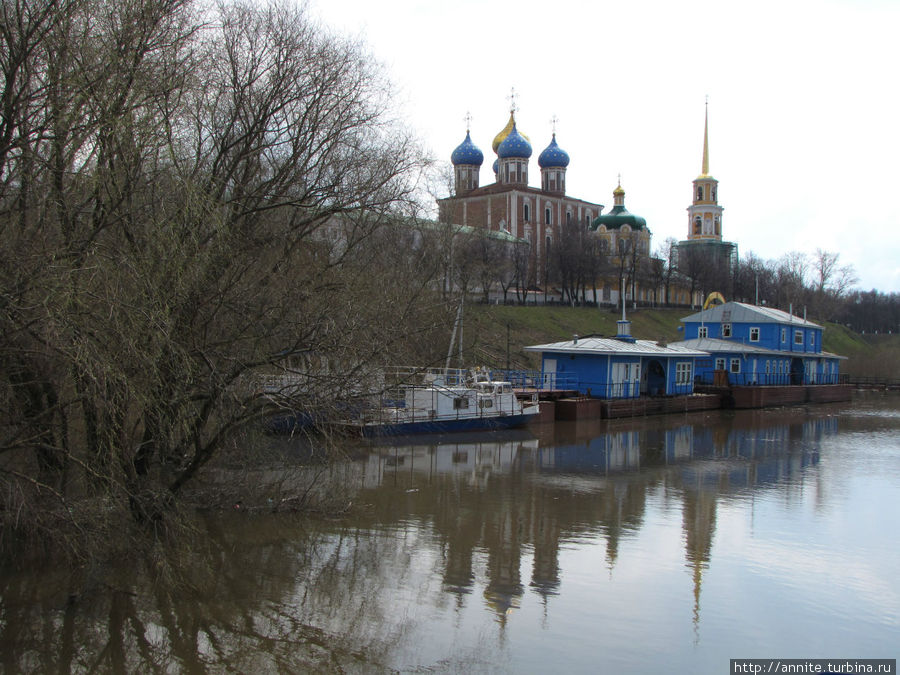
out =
column 467, row 153
column 496, row 166
column 553, row 155
column 505, row 131
column 514, row 145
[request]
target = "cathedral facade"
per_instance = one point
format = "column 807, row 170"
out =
column 510, row 204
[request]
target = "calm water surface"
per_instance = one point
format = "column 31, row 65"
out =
column 666, row 544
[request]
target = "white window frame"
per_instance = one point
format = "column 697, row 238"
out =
column 720, row 363
column 798, row 337
column 726, row 330
column 683, row 372
column 735, row 366
column 754, row 333
column 702, row 332
column 784, row 334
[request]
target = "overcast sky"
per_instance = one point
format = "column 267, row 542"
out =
column 804, row 106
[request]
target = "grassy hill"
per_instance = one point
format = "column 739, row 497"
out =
column 485, row 335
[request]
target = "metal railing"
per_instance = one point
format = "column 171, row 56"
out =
column 768, row 379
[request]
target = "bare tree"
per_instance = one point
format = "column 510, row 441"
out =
column 191, row 197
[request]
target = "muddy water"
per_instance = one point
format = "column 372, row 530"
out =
column 666, row 544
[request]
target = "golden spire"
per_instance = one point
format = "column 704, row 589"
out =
column 705, row 169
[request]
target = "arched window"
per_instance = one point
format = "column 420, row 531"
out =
column 568, row 217
column 525, row 211
column 547, row 214
column 697, row 225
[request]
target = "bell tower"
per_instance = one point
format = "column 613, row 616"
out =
column 705, row 214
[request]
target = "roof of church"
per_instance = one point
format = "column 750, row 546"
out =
column 553, row 155
column 467, row 153
column 617, row 217
column 499, row 188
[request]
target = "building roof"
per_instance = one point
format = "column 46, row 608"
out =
column 716, row 346
column 500, row 188
column 612, row 346
column 740, row 312
column 617, row 217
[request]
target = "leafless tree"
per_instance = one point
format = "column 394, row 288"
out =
column 190, row 197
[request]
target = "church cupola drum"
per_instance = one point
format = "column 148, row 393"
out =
column 553, row 162
column 513, row 154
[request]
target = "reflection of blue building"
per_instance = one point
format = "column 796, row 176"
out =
column 618, row 367
column 758, row 345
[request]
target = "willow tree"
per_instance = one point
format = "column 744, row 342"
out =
column 189, row 197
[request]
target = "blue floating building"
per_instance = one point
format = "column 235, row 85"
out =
column 752, row 345
column 618, row 367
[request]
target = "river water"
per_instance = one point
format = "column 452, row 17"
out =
column 663, row 544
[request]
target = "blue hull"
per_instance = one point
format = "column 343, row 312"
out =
column 445, row 426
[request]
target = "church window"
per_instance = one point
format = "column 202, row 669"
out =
column 714, row 194
column 568, row 217
column 697, row 225
column 718, row 226
column 700, row 192
column 525, row 211
column 547, row 215
column 506, row 167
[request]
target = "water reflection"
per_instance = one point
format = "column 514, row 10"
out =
column 510, row 499
column 442, row 534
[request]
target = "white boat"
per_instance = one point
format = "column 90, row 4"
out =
column 428, row 402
